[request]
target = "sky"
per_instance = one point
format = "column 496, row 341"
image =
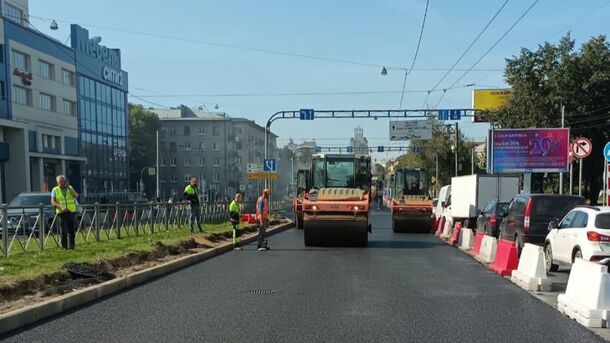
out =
column 192, row 52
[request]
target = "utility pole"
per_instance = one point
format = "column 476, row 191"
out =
column 457, row 133
column 562, row 126
column 472, row 161
column 158, row 193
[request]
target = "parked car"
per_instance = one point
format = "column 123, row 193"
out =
column 529, row 216
column 490, row 218
column 583, row 233
column 23, row 211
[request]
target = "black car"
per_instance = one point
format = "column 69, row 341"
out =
column 490, row 218
column 529, row 215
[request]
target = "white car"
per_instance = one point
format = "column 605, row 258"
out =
column 583, row 233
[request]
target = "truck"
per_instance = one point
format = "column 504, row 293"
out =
column 302, row 187
column 336, row 209
column 470, row 194
column 411, row 204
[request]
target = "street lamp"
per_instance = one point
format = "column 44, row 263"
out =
column 384, row 71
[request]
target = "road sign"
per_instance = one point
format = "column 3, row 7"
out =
column 416, row 149
column 443, row 114
column 306, row 114
column 350, row 149
column 581, row 147
column 607, row 151
column 152, row 172
column 269, row 165
column 410, row 129
column 262, row 176
column 255, row 168
column 455, row 114
column 380, row 148
column 318, row 149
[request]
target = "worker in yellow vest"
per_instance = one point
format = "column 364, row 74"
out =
column 191, row 194
column 63, row 198
column 234, row 214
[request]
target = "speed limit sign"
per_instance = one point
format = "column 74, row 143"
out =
column 581, row 147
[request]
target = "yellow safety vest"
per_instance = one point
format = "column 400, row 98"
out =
column 67, row 201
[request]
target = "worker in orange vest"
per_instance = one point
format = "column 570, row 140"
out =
column 262, row 215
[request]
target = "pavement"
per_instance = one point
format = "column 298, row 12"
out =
column 402, row 288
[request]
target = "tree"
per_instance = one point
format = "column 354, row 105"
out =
column 143, row 126
column 557, row 75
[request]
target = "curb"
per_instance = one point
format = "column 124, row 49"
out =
column 31, row 314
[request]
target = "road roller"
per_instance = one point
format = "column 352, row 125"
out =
column 336, row 209
column 302, row 186
column 411, row 203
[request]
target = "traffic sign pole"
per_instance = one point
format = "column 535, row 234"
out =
column 580, row 176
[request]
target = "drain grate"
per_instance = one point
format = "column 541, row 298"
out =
column 262, row 291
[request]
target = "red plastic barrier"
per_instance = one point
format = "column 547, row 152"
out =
column 441, row 225
column 507, row 258
column 248, row 218
column 456, row 233
column 478, row 238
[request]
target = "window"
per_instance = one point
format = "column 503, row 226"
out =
column 22, row 95
column 47, row 102
column 187, row 146
column 216, row 161
column 187, row 178
column 162, row 162
column 161, row 146
column 216, row 177
column 172, row 131
column 201, row 130
column 187, row 162
column 46, row 70
column 67, row 77
column 201, row 161
column 20, row 60
column 215, row 146
column 172, row 146
column 238, row 130
column 69, row 107
column 581, row 220
column 2, row 94
column 173, row 178
column 172, row 161
column 187, row 130
column 216, row 131
column 13, row 13
column 50, row 142
column 568, row 220
column 201, row 146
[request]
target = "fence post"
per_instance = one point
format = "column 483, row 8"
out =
column 135, row 218
column 97, row 221
column 117, row 218
column 152, row 217
column 165, row 216
column 5, row 230
column 41, row 225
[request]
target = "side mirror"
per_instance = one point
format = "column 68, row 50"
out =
column 502, row 213
column 553, row 225
column 443, row 204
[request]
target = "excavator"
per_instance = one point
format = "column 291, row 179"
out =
column 336, row 209
column 302, row 186
column 411, row 203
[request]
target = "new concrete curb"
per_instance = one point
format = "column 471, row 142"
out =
column 30, row 314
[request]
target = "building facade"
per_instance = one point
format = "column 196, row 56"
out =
column 359, row 143
column 213, row 147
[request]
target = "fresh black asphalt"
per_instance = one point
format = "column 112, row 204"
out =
column 402, row 288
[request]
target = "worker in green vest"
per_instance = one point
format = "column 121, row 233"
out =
column 234, row 219
column 63, row 198
column 191, row 195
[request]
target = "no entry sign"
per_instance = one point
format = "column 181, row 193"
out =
column 581, row 147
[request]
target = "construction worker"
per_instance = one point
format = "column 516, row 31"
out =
column 234, row 218
column 63, row 198
column 262, row 215
column 191, row 194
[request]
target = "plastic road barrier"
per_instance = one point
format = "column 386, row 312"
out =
column 466, row 239
column 531, row 272
column 487, row 253
column 507, row 258
column 456, row 233
column 439, row 228
column 476, row 247
column 446, row 231
column 587, row 297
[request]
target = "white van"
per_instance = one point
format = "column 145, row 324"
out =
column 441, row 204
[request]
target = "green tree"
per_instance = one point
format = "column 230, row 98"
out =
column 143, row 126
column 554, row 75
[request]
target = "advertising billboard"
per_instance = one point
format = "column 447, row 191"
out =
column 529, row 150
column 488, row 100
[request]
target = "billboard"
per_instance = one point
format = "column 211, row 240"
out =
column 489, row 100
column 405, row 130
column 529, row 150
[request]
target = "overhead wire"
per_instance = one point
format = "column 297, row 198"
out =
column 467, row 49
column 491, row 48
column 421, row 34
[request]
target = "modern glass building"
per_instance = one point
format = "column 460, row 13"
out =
column 103, row 115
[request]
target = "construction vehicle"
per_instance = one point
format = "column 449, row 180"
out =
column 336, row 209
column 411, row 203
column 302, row 187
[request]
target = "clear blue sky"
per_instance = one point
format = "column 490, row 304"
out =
column 380, row 32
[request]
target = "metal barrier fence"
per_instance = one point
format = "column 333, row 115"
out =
column 37, row 228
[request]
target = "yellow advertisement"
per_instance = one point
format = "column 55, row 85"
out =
column 489, row 99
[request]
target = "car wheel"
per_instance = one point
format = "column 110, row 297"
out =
column 577, row 254
column 548, row 259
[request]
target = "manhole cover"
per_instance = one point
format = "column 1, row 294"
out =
column 262, row 291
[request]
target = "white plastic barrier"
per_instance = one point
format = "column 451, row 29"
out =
column 447, row 230
column 587, row 297
column 531, row 273
column 487, row 254
column 466, row 239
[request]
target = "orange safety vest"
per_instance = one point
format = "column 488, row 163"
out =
column 265, row 213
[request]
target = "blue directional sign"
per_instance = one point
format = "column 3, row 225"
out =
column 318, row 149
column 306, row 114
column 350, row 149
column 416, row 149
column 443, row 114
column 269, row 165
column 455, row 114
column 607, row 152
column 380, row 148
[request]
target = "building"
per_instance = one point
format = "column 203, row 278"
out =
column 359, row 143
column 211, row 146
column 63, row 110
column 291, row 158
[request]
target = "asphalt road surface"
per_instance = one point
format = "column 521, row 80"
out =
column 402, row 288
